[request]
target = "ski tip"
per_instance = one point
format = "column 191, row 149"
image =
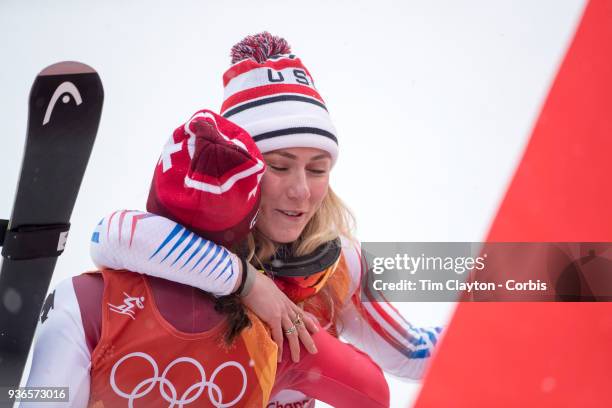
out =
column 67, row 67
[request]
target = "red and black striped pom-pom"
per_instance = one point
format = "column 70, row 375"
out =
column 259, row 47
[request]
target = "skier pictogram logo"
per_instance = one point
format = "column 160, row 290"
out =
column 130, row 303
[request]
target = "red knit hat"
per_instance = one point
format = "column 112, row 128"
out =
column 208, row 179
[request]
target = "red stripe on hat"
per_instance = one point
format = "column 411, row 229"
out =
column 266, row 90
column 248, row 65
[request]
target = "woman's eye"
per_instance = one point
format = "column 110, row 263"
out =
column 317, row 171
column 277, row 168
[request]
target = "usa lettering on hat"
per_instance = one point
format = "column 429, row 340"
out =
column 271, row 94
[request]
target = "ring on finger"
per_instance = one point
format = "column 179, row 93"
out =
column 290, row 330
column 298, row 320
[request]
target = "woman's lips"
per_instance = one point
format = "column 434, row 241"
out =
column 292, row 215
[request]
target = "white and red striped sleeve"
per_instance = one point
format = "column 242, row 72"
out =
column 156, row 246
column 371, row 323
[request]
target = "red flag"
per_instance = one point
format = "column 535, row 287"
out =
column 546, row 354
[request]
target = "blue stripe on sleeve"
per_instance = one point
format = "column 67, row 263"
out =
column 229, row 265
column 424, row 353
column 192, row 241
column 178, row 228
column 200, row 245
column 209, row 246
column 216, row 267
column 432, row 337
column 182, row 238
column 217, row 249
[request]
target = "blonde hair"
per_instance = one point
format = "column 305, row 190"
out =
column 332, row 219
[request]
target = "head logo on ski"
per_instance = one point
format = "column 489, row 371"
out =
column 65, row 87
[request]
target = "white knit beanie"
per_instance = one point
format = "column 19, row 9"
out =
column 271, row 94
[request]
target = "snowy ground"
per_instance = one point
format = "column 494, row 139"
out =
column 433, row 101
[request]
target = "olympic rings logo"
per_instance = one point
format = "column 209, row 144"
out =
column 143, row 388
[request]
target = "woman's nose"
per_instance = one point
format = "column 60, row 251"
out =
column 298, row 188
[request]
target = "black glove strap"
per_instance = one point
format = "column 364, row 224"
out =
column 3, row 228
column 33, row 241
column 244, row 276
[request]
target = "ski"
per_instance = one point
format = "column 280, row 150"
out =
column 64, row 112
